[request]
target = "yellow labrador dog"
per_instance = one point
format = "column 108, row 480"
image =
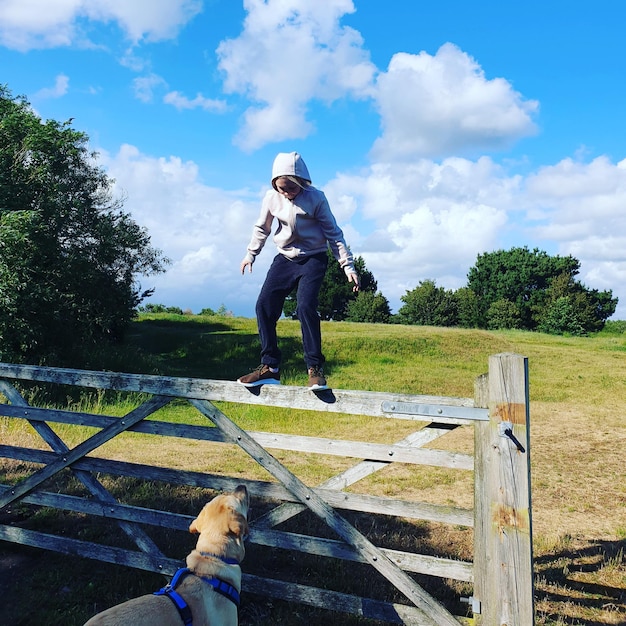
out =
column 206, row 592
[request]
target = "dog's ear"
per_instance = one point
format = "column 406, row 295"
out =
column 241, row 493
column 238, row 524
column 198, row 523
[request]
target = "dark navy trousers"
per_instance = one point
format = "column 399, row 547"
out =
column 285, row 274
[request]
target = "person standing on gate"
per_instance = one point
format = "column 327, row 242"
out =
column 306, row 228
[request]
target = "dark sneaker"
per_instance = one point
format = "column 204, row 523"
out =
column 316, row 378
column 262, row 375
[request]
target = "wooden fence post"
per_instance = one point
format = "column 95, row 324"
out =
column 503, row 562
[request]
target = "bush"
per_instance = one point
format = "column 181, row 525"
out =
column 614, row 327
column 429, row 305
column 503, row 314
column 560, row 318
column 369, row 307
column 161, row 308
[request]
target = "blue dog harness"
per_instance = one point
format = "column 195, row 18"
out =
column 220, row 586
column 176, row 598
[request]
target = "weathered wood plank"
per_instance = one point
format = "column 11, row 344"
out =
column 277, row 441
column 417, row 563
column 140, row 538
column 503, row 567
column 410, row 562
column 108, row 510
column 340, row 602
column 76, row 547
column 430, row 607
column 87, row 446
column 353, row 474
column 332, row 400
column 273, row 491
column 321, row 598
column 369, row 451
column 149, row 427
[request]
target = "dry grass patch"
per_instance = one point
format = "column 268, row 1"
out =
column 582, row 582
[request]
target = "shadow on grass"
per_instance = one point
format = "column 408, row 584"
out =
column 583, row 584
column 212, row 350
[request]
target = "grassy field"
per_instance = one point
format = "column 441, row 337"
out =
column 578, row 439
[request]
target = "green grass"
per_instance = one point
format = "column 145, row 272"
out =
column 578, row 435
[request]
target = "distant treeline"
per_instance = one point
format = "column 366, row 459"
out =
column 513, row 289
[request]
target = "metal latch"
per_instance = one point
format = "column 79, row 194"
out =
column 474, row 604
column 506, row 430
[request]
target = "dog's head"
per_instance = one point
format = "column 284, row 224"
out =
column 223, row 524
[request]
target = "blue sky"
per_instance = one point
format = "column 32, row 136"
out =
column 439, row 131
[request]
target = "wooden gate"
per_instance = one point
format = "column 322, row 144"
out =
column 499, row 413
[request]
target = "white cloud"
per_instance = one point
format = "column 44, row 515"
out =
column 152, row 20
column 580, row 206
column 424, row 219
column 578, row 199
column 576, row 179
column 27, row 24
column 608, row 275
column 61, row 85
column 203, row 230
column 144, row 86
column 181, row 102
column 434, row 106
column 133, row 61
column 290, row 53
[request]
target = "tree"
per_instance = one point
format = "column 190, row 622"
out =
column 525, row 277
column 467, row 307
column 369, row 307
column 160, row 308
column 503, row 314
column 69, row 255
column 571, row 308
column 560, row 318
column 336, row 291
column 429, row 305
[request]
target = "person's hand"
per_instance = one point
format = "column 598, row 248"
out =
column 245, row 263
column 354, row 278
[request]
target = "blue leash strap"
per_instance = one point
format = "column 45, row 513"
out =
column 176, row 598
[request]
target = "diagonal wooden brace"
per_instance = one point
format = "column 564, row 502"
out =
column 134, row 531
column 82, row 449
column 433, row 611
column 357, row 472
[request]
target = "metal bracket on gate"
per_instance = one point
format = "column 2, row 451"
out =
column 474, row 604
column 433, row 411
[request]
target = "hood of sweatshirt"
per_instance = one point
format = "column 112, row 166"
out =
column 289, row 164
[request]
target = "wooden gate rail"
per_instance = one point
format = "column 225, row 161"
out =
column 378, row 505
column 502, row 568
column 446, row 410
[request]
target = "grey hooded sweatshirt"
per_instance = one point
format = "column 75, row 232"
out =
column 306, row 225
